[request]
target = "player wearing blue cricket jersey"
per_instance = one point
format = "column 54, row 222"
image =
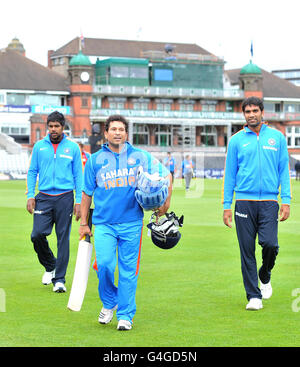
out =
column 170, row 163
column 56, row 163
column 110, row 176
column 187, row 170
column 257, row 164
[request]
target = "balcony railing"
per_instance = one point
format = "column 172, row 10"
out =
column 168, row 114
column 168, row 92
column 161, row 55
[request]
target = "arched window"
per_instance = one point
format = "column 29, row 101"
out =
column 38, row 134
column 163, row 135
column 209, row 135
column 140, row 134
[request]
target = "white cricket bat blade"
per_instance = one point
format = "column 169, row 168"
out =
column 81, row 275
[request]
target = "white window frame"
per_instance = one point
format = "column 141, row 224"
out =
column 292, row 135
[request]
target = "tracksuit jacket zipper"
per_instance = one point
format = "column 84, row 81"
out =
column 54, row 165
column 259, row 165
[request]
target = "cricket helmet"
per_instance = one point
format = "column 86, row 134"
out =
column 165, row 234
column 152, row 190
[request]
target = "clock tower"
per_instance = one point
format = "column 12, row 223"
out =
column 251, row 80
column 81, row 75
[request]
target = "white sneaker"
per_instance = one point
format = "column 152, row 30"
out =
column 48, row 276
column 106, row 315
column 254, row 304
column 59, row 287
column 266, row 290
column 124, row 325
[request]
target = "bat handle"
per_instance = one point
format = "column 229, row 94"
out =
column 87, row 237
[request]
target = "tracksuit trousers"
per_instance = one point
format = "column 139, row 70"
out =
column 188, row 177
column 256, row 218
column 120, row 241
column 50, row 210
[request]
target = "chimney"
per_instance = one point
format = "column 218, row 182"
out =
column 50, row 52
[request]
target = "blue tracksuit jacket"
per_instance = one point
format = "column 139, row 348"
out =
column 256, row 166
column 56, row 173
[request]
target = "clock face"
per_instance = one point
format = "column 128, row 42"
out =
column 84, row 76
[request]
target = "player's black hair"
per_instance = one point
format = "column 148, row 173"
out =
column 255, row 101
column 56, row 117
column 119, row 118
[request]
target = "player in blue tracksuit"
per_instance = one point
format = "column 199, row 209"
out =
column 56, row 163
column 170, row 163
column 257, row 164
column 110, row 175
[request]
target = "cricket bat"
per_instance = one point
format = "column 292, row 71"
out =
column 81, row 273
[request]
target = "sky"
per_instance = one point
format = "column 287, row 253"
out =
column 223, row 28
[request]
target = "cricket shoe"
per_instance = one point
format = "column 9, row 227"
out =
column 48, row 276
column 254, row 304
column 106, row 315
column 124, row 325
column 266, row 290
column 59, row 287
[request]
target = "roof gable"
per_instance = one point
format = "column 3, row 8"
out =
column 273, row 86
column 19, row 72
column 123, row 48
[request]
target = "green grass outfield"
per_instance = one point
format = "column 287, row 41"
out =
column 189, row 296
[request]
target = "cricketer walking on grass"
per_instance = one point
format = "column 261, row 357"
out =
column 110, row 177
column 56, row 163
column 257, row 165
